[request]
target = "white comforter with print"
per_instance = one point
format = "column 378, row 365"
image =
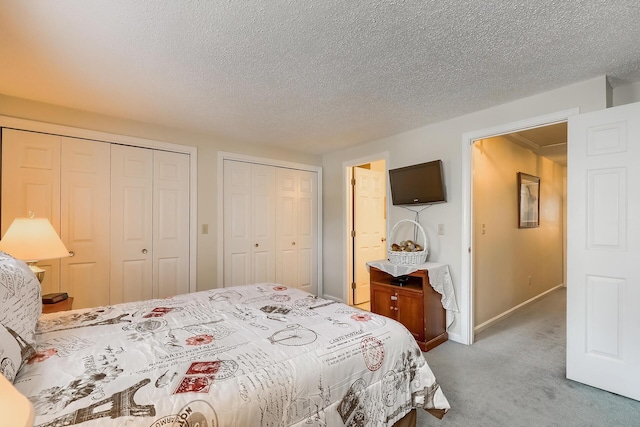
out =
column 262, row 355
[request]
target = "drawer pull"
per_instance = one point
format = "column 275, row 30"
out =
column 394, row 298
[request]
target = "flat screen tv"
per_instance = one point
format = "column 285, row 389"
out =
column 420, row 184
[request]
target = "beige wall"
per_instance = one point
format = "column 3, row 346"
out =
column 207, row 146
column 438, row 141
column 513, row 265
column 626, row 94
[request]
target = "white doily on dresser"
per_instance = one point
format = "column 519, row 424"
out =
column 439, row 278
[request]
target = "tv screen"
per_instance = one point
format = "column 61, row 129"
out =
column 418, row 184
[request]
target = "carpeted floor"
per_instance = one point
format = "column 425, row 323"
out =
column 514, row 375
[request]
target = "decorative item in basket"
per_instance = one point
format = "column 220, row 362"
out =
column 406, row 246
column 407, row 251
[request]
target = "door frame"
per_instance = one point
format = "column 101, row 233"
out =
column 226, row 155
column 113, row 138
column 467, row 323
column 347, row 217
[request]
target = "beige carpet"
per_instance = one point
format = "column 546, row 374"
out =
column 514, row 375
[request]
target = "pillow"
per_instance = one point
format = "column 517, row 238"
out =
column 20, row 302
column 10, row 354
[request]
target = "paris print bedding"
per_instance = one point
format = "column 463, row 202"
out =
column 260, row 355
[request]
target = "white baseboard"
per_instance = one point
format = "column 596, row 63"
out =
column 332, row 298
column 507, row 313
column 455, row 337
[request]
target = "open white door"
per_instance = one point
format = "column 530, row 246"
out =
column 369, row 223
column 603, row 244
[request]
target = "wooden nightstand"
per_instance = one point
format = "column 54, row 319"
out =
column 59, row 306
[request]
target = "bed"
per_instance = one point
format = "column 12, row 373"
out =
column 260, row 355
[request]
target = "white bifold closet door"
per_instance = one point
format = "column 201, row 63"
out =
column 131, row 224
column 249, row 218
column 31, row 184
column 170, row 224
column 296, row 228
column 149, row 224
column 66, row 181
column 270, row 225
column 84, row 207
column 123, row 212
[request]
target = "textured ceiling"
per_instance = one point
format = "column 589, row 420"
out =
column 313, row 76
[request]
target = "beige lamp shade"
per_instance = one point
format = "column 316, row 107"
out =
column 32, row 239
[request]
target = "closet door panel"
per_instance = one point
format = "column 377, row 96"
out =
column 287, row 265
column 288, row 268
column 167, row 278
column 31, row 183
column 134, row 277
column 131, row 224
column 85, row 223
column 237, row 223
column 249, row 228
column 307, row 231
column 296, row 218
column 170, row 224
column 263, row 227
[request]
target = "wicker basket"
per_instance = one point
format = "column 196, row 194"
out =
column 408, row 258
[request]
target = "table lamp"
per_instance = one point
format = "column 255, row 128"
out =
column 32, row 240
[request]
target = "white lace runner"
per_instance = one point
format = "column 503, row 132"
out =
column 439, row 277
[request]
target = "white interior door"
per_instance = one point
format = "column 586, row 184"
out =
column 369, row 225
column 31, row 183
column 84, row 227
column 603, row 289
column 131, row 224
column 170, row 224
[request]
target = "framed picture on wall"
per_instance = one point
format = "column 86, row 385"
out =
column 528, row 201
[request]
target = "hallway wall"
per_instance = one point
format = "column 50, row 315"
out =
column 511, row 264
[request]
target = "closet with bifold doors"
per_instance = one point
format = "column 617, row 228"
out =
column 121, row 211
column 270, row 225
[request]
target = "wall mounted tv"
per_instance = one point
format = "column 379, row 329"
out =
column 420, row 184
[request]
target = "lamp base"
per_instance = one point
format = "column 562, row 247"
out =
column 39, row 272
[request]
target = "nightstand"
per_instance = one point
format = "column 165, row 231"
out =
column 59, row 306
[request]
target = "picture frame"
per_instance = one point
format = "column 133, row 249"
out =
column 528, row 201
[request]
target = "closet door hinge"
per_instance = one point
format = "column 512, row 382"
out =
column 353, row 233
column 353, row 182
column 353, row 285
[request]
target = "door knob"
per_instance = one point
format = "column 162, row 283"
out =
column 293, row 243
column 383, row 239
column 144, row 251
column 71, row 253
column 257, row 245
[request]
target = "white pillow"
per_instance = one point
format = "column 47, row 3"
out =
column 20, row 302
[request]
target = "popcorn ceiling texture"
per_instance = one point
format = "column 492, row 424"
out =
column 313, row 76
